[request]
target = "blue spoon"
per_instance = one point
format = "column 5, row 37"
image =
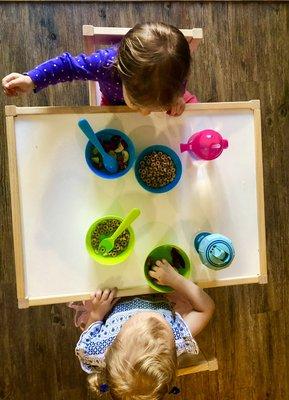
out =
column 109, row 162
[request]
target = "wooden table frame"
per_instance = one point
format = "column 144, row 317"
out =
column 193, row 363
column 12, row 112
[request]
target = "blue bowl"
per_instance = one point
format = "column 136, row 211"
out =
column 107, row 134
column 175, row 159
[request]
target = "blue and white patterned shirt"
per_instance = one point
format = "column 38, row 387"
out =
column 95, row 340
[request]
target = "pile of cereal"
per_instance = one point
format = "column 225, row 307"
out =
column 115, row 147
column 106, row 229
column 157, row 169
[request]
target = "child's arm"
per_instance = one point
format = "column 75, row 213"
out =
column 88, row 354
column 63, row 68
column 202, row 304
column 102, row 302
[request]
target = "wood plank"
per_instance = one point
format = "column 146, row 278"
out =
column 237, row 105
column 110, row 32
column 260, row 196
column 211, row 365
column 38, row 301
column 149, row 1
column 239, row 59
column 15, row 206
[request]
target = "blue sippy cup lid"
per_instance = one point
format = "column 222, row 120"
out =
column 215, row 250
column 219, row 253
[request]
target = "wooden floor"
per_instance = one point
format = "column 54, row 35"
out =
column 245, row 56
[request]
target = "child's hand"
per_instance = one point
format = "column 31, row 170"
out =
column 164, row 273
column 16, row 84
column 178, row 108
column 102, row 303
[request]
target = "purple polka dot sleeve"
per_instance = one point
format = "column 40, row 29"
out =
column 66, row 68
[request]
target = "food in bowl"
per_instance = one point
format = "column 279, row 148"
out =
column 177, row 262
column 116, row 147
column 105, row 229
column 157, row 169
column 175, row 256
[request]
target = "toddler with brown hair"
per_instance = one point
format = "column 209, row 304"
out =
column 131, row 347
column 148, row 70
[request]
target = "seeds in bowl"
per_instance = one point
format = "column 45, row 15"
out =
column 115, row 147
column 105, row 229
column 157, row 169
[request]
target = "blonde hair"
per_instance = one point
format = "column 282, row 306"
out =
column 154, row 63
column 141, row 366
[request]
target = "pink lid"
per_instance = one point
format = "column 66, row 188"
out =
column 207, row 144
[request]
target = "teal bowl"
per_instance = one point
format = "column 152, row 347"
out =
column 108, row 133
column 175, row 159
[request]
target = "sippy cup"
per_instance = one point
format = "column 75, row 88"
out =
column 216, row 251
column 205, row 145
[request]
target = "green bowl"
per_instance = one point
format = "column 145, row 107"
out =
column 159, row 253
column 108, row 260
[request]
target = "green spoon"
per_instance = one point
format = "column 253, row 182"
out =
column 107, row 244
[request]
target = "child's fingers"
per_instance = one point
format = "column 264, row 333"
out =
column 13, row 92
column 10, row 92
column 96, row 295
column 11, row 76
column 6, row 92
column 114, row 301
column 153, row 274
column 112, row 294
column 105, row 294
column 159, row 263
column 165, row 262
column 15, row 83
column 7, row 79
column 178, row 110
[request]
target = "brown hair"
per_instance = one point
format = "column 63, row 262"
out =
column 154, row 64
column 141, row 366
